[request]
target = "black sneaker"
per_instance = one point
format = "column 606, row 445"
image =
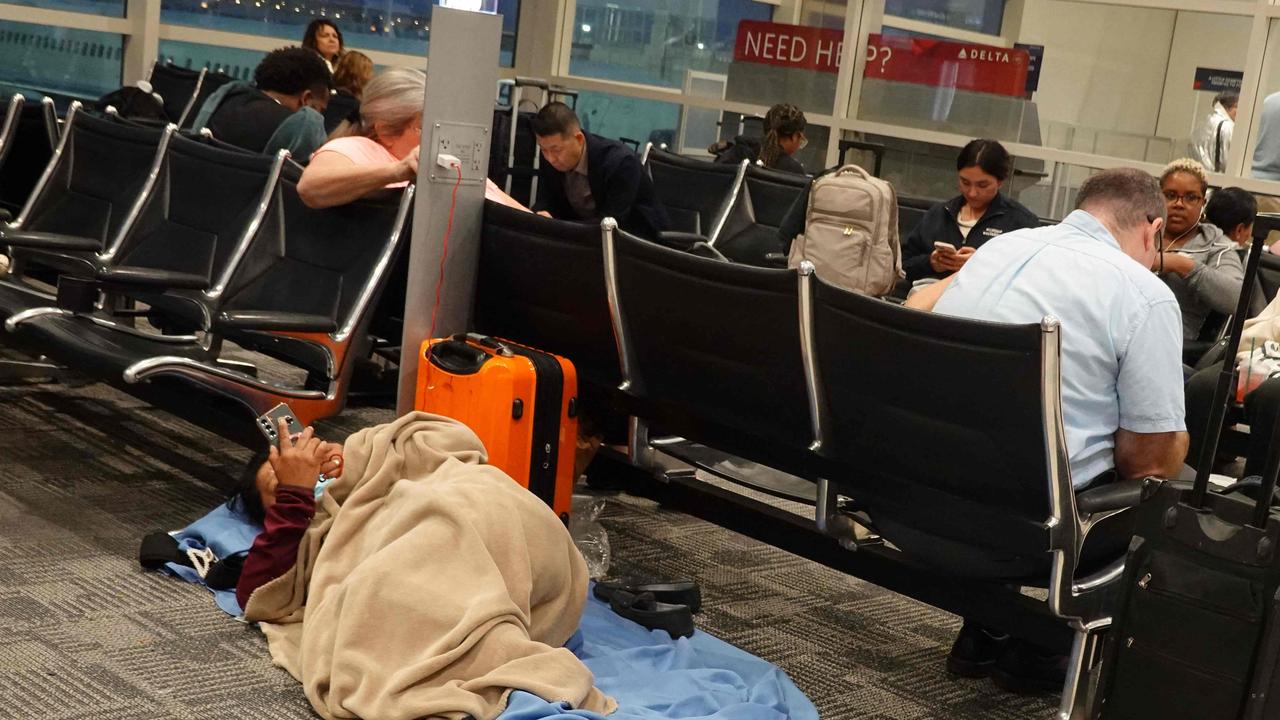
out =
column 975, row 651
column 1025, row 669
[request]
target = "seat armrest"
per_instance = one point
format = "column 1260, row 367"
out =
column 48, row 241
column 679, row 240
column 275, row 321
column 1112, row 496
column 152, row 277
column 776, row 260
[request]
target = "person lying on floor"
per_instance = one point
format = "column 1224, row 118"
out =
column 421, row 582
column 280, row 495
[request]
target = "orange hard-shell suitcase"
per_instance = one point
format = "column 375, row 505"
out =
column 521, row 402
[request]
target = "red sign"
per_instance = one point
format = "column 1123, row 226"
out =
column 793, row 46
column 963, row 66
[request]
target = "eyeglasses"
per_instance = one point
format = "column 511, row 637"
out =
column 1188, row 199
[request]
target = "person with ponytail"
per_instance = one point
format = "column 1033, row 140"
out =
column 784, row 127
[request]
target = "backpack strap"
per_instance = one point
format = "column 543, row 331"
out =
column 159, row 548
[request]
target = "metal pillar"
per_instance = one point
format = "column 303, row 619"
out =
column 456, row 119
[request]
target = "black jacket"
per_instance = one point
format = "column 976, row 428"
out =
column 939, row 224
column 620, row 186
column 247, row 118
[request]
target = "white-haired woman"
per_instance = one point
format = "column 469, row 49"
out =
column 1199, row 263
column 380, row 150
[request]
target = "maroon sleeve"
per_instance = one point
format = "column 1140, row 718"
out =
column 275, row 550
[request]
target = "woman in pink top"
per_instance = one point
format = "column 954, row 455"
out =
column 381, row 150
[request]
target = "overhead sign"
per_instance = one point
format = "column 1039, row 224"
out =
column 1035, row 55
column 939, row 63
column 1212, row 80
column 793, row 46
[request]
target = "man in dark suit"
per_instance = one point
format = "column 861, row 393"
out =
column 587, row 177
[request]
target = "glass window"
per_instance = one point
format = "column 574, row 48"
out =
column 399, row 26
column 58, row 61
column 235, row 62
column 109, row 8
column 654, row 42
column 628, row 118
column 983, row 16
column 1262, row 154
column 1075, row 80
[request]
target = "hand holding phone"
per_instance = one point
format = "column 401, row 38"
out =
column 945, row 248
column 267, row 423
column 297, row 462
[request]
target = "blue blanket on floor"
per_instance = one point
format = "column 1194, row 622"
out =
column 652, row 676
column 649, row 674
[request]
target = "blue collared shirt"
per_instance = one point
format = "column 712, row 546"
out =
column 1121, row 329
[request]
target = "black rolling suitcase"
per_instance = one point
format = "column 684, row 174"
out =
column 1197, row 629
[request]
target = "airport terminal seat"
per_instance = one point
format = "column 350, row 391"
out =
column 710, row 350
column 749, row 233
column 541, row 283
column 212, row 80
column 178, row 89
column 695, row 193
column 97, row 173
column 910, row 212
column 296, row 284
column 973, row 477
column 29, row 136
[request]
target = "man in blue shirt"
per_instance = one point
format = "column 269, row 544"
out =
column 1122, row 401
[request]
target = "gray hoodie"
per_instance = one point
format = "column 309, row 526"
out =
column 1214, row 284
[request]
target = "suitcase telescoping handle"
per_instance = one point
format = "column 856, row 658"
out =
column 1222, row 393
column 485, row 341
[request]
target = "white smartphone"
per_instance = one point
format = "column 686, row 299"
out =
column 944, row 247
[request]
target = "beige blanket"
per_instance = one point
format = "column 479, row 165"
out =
column 428, row 585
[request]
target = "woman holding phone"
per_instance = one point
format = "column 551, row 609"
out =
column 951, row 231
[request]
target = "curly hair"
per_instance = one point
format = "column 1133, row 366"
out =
column 782, row 120
column 292, row 70
column 1190, row 167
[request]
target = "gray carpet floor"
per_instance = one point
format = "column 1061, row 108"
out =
column 84, row 633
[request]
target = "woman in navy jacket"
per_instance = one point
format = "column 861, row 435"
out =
column 967, row 221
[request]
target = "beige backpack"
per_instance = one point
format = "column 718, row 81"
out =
column 851, row 232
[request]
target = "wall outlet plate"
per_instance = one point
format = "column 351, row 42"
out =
column 469, row 143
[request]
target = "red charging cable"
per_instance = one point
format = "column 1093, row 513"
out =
column 444, row 256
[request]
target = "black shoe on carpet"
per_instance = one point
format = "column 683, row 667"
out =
column 645, row 610
column 975, row 651
column 1025, row 669
column 675, row 592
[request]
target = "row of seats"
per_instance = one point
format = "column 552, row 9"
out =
column 216, row 246
column 777, row 367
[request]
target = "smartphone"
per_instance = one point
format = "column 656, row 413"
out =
column 944, row 246
column 269, row 423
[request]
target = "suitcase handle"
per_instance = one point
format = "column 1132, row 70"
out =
column 486, row 341
column 457, row 357
column 853, row 170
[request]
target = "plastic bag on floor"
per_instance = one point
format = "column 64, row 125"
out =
column 589, row 535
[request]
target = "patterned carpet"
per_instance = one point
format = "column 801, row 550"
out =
column 84, row 633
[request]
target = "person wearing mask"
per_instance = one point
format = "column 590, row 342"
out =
column 353, row 71
column 1212, row 139
column 282, row 109
column 1198, row 262
column 784, row 127
column 948, row 234
column 1122, row 394
column 587, row 177
column 324, row 39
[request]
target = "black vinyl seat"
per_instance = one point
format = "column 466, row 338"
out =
column 711, row 350
column 910, row 212
column 211, row 81
column 970, row 477
column 98, row 171
column 178, row 89
column 26, row 145
column 749, row 233
column 515, row 299
column 695, row 193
